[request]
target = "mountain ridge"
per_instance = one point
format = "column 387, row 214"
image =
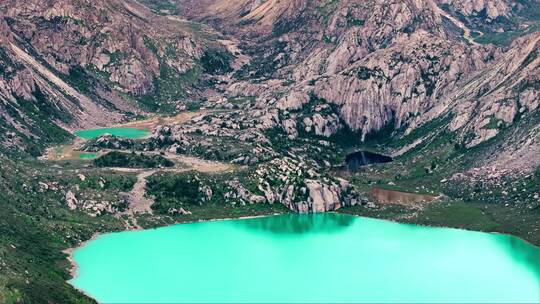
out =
column 259, row 104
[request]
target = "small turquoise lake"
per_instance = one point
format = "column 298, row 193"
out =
column 307, row 259
column 120, row 132
column 88, row 155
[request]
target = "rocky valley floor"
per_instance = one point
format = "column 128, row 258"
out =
column 252, row 109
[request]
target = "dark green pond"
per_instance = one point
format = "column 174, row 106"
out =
column 356, row 160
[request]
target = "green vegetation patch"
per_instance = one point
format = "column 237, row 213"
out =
column 35, row 226
column 216, row 61
column 507, row 37
column 174, row 191
column 37, row 117
column 132, row 160
column 197, row 191
column 171, row 86
column 456, row 214
column 162, row 6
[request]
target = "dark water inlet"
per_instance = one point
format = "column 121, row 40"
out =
column 358, row 159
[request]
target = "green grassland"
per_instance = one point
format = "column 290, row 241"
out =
column 36, row 225
column 132, row 160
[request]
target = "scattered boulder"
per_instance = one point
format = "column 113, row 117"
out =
column 71, row 200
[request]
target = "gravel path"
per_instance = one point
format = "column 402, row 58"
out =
column 140, row 203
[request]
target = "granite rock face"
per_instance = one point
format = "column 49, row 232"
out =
column 5, row 32
column 83, row 63
column 369, row 66
column 306, row 69
column 393, row 85
column 71, row 200
column 379, row 63
column 302, row 188
column 502, row 96
column 111, row 36
column 491, row 8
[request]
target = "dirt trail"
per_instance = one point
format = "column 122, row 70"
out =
column 137, row 201
column 140, row 203
column 183, row 163
column 197, row 164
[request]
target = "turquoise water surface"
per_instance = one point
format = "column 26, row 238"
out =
column 308, row 258
column 120, row 132
column 88, row 155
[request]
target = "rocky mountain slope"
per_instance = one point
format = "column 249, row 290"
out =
column 383, row 66
column 497, row 98
column 497, row 22
column 279, row 92
column 88, row 64
column 353, row 71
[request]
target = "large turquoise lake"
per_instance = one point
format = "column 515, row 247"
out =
column 308, row 258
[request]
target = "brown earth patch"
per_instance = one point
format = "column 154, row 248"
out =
column 393, row 197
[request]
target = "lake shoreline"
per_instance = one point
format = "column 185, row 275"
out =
column 71, row 250
column 74, row 267
column 407, row 221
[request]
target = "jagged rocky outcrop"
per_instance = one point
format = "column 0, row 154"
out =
column 368, row 66
column 297, row 184
column 391, row 86
column 315, row 69
column 501, row 100
column 81, row 64
column 111, row 36
column 490, row 8
column 378, row 63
